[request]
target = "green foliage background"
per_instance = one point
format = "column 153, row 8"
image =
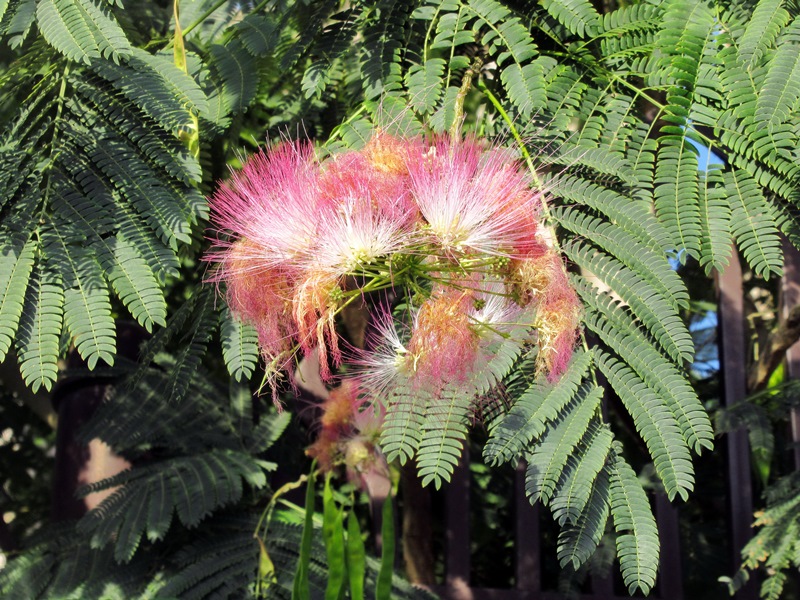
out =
column 110, row 146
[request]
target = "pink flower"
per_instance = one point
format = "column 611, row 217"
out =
column 495, row 313
column 385, row 360
column 354, row 235
column 262, row 297
column 443, row 345
column 274, row 203
column 543, row 283
column 474, row 201
column 349, row 430
column 314, row 312
column 298, row 238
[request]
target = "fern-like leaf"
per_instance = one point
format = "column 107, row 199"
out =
column 655, row 423
column 637, row 534
column 526, row 86
column 236, row 67
column 651, row 266
column 659, row 317
column 192, row 486
column 87, row 307
column 239, row 346
column 133, row 281
column 402, row 430
column 781, row 89
column 82, row 30
column 715, row 217
column 537, row 405
column 617, row 208
column 158, row 87
column 40, row 328
column 16, row 264
column 551, row 453
column 676, row 198
column 763, row 26
column 615, row 329
column 574, row 489
column 751, row 225
column 443, row 433
column 425, row 83
column 192, row 347
column 577, row 542
column 579, row 16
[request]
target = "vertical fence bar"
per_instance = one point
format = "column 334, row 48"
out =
column 734, row 364
column 670, row 576
column 457, row 521
column 790, row 296
column 527, row 546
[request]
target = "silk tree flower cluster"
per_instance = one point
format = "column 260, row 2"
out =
column 448, row 228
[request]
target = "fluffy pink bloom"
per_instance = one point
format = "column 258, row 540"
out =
column 543, row 283
column 354, row 234
column 261, row 296
column 495, row 313
column 378, row 367
column 314, row 312
column 274, row 203
column 298, row 235
column 349, row 430
column 474, row 201
column 377, row 174
column 369, row 212
column 443, row 344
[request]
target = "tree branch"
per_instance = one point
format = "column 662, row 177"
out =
column 779, row 341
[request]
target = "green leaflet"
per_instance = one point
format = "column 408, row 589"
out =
column 549, row 455
column 762, row 28
column 577, row 542
column 239, row 345
column 333, row 534
column 40, row 328
column 16, row 264
column 425, row 83
column 235, row 67
column 655, row 312
column 405, row 415
column 133, row 281
column 616, row 330
column 579, row 16
column 574, row 490
column 443, row 433
column 526, row 86
column 637, row 534
column 81, row 30
column 87, row 309
column 651, row 266
column 537, row 405
column 782, row 83
column 675, row 193
column 755, row 233
column 656, row 424
column 715, row 217
column 356, row 567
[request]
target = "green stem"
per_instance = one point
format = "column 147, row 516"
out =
column 537, row 182
column 525, row 154
column 337, row 131
column 266, row 516
column 199, row 20
column 466, row 84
